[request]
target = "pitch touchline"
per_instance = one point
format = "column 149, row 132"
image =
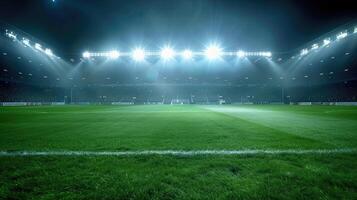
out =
column 175, row 152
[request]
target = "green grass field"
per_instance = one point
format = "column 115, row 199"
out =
column 179, row 128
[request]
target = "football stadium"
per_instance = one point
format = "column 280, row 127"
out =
column 165, row 99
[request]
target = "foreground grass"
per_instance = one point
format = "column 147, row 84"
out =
column 111, row 128
column 156, row 177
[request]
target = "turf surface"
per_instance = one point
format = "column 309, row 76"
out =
column 165, row 127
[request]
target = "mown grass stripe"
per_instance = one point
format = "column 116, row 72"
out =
column 177, row 152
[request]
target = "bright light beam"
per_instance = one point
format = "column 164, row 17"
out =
column 187, row 54
column 240, row 54
column 213, row 52
column 267, row 54
column 38, row 46
column 167, row 53
column 341, row 35
column 304, row 52
column 327, row 41
column 48, row 52
column 86, row 54
column 11, row 35
column 138, row 54
column 113, row 54
column 26, row 41
column 314, row 46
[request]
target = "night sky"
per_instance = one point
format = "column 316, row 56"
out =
column 71, row 26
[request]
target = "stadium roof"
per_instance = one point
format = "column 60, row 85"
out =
column 74, row 26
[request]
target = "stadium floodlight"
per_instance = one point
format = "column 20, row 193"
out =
column 314, row 46
column 138, row 54
column 167, row 53
column 267, row 54
column 38, row 46
column 26, row 41
column 48, row 52
column 304, row 52
column 113, row 54
column 327, row 41
column 187, row 54
column 341, row 35
column 11, row 35
column 240, row 54
column 213, row 52
column 259, row 54
column 86, row 54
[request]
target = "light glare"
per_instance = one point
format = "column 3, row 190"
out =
column 138, row 54
column 11, row 35
column 314, row 46
column 48, row 52
column 187, row 54
column 113, row 54
column 267, row 54
column 86, row 54
column 241, row 54
column 38, row 46
column 26, row 41
column 167, row 53
column 341, row 35
column 327, row 41
column 304, row 52
column 213, row 52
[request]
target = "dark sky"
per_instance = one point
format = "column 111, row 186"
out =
column 71, row 26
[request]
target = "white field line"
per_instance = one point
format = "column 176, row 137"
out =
column 177, row 152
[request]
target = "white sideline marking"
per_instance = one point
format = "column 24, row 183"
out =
column 176, row 152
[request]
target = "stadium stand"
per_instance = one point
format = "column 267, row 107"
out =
column 327, row 74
